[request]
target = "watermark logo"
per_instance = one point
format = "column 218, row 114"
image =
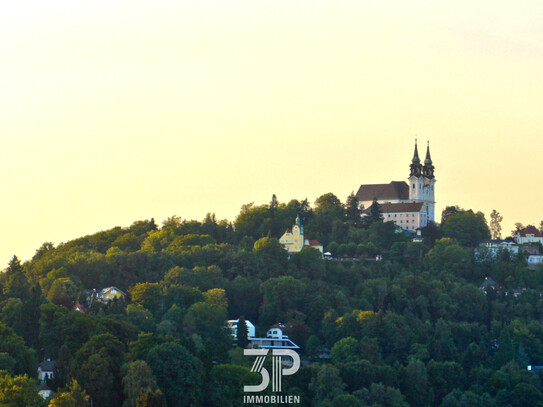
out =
column 278, row 370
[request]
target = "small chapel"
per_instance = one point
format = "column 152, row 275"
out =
column 294, row 239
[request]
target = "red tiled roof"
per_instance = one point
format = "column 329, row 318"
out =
column 399, row 207
column 315, row 243
column 530, row 230
column 394, row 190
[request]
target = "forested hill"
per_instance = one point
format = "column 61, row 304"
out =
column 414, row 329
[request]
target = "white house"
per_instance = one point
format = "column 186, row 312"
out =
column 233, row 325
column 44, row 391
column 46, row 370
column 534, row 260
column 530, row 234
column 276, row 338
column 489, row 249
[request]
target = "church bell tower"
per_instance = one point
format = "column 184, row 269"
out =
column 422, row 182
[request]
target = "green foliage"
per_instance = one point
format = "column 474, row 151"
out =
column 179, row 374
column 414, row 328
column 14, row 349
column 466, row 227
column 138, row 378
column 19, row 391
column 73, row 396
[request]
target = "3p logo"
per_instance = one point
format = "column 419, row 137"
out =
column 278, row 370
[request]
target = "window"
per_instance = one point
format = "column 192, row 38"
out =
column 413, row 186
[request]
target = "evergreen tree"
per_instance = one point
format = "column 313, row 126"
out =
column 375, row 215
column 243, row 333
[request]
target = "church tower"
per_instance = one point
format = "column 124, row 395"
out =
column 422, row 182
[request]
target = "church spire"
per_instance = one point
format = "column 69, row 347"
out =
column 428, row 159
column 416, row 159
column 428, row 165
column 416, row 167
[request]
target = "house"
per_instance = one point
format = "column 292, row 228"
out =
column 489, row 250
column 489, row 285
column 44, row 391
column 233, row 325
column 110, row 293
column 104, row 295
column 46, row 370
column 530, row 234
column 534, row 261
column 293, row 240
column 409, row 205
column 276, row 338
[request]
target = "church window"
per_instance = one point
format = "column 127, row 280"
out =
column 413, row 186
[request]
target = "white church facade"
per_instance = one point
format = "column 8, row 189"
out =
column 411, row 205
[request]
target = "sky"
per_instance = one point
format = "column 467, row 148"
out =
column 117, row 111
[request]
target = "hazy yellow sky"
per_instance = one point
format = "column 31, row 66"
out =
column 114, row 111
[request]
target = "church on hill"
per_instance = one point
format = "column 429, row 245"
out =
column 411, row 205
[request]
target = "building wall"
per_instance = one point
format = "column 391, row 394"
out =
column 294, row 241
column 528, row 239
column 407, row 220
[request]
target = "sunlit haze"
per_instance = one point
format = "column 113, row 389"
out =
column 116, row 111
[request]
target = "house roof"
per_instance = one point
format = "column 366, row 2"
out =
column 394, row 190
column 47, row 365
column 314, row 243
column 107, row 289
column 529, row 230
column 279, row 325
column 399, row 207
column 489, row 283
column 79, row 307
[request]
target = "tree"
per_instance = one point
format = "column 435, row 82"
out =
column 149, row 295
column 518, row 227
column 327, row 384
column 73, row 396
column 375, row 215
column 227, row 384
column 138, row 378
column 329, row 203
column 467, row 227
column 97, row 367
column 179, row 374
column 207, row 323
column 151, row 398
column 353, row 212
column 19, row 391
column 345, row 350
column 281, row 294
column 243, row 333
column 495, row 225
column 450, row 211
column 15, row 282
column 217, row 298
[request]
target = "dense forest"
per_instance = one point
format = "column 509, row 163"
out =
column 413, row 329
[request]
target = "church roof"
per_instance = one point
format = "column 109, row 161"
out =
column 399, row 207
column 394, row 190
column 47, row 365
